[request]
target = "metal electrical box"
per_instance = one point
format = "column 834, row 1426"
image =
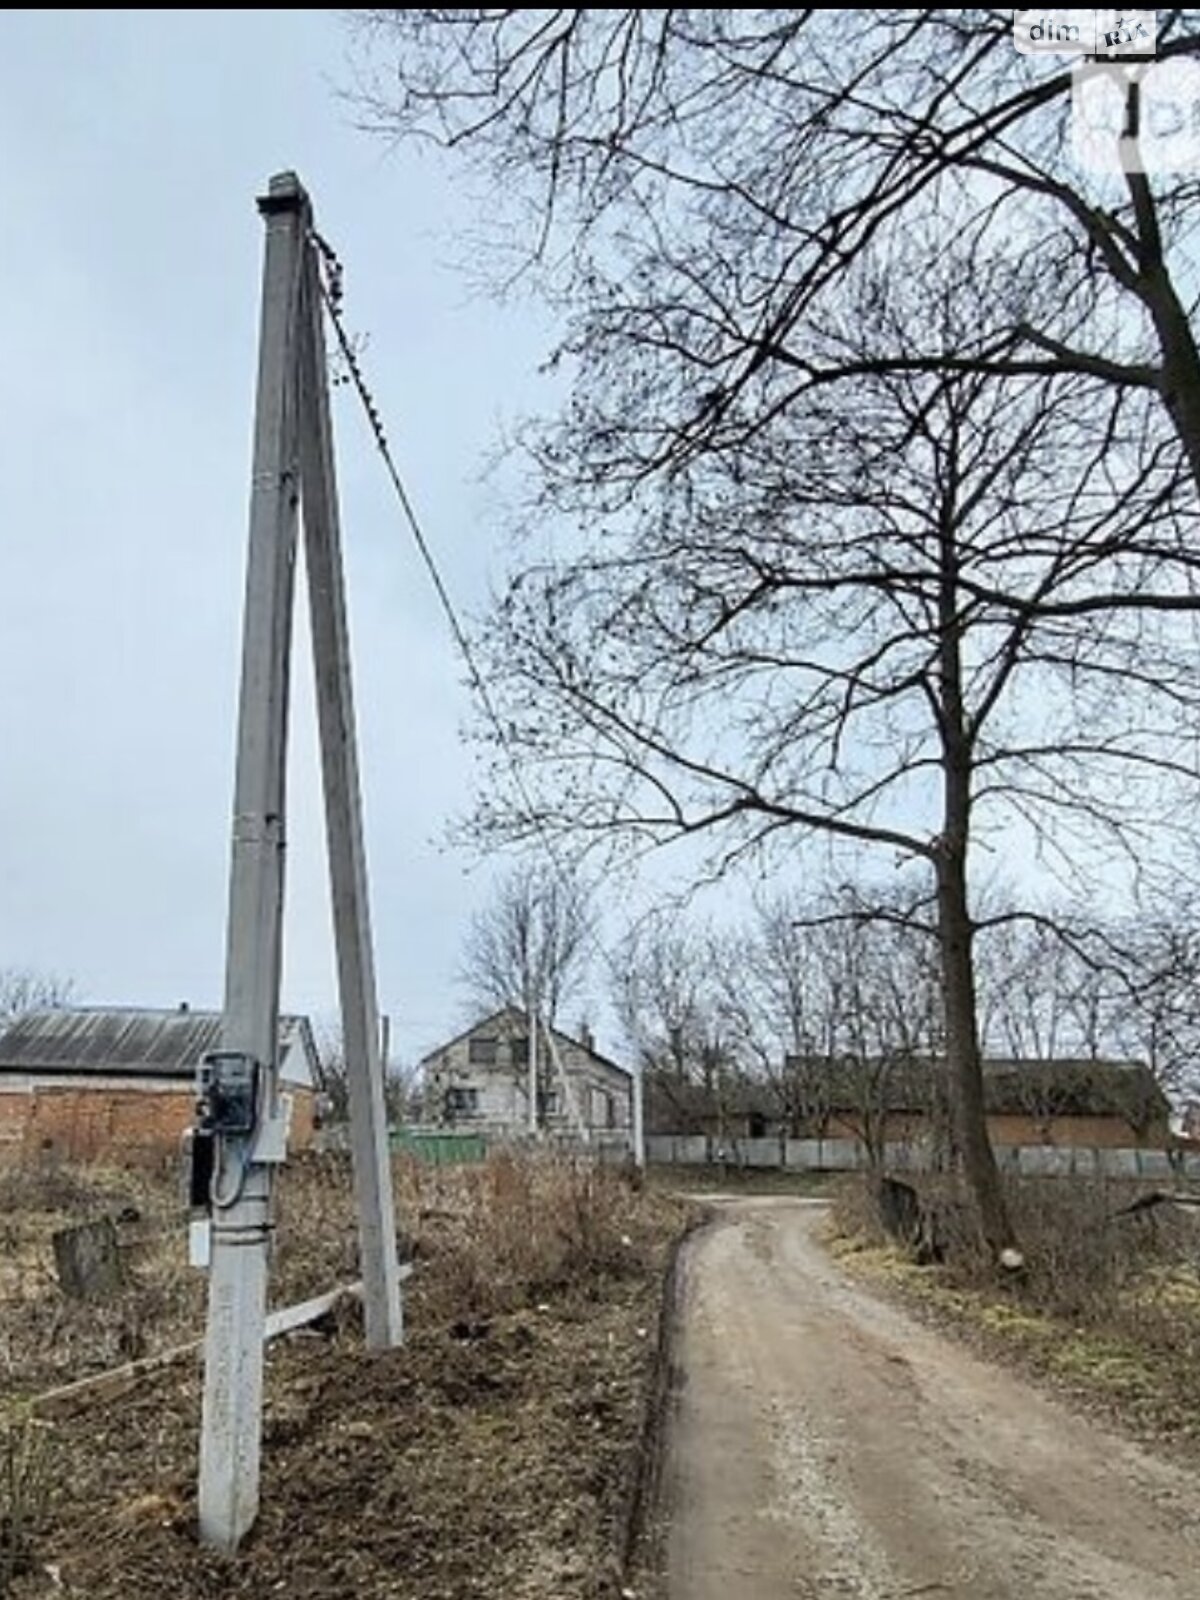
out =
column 227, row 1093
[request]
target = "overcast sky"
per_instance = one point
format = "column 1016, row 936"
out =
column 132, row 145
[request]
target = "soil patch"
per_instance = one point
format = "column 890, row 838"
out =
column 498, row 1452
column 494, row 1457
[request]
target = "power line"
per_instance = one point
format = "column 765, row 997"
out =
column 332, row 283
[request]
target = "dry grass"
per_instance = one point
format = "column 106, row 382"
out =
column 496, row 1453
column 25, row 1466
column 1107, row 1304
column 514, row 1230
column 492, row 1237
column 46, row 1338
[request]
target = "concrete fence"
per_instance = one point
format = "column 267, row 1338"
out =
column 849, row 1155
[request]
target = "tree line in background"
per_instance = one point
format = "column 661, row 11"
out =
column 25, row 989
column 837, row 1007
column 844, row 978
column 871, row 500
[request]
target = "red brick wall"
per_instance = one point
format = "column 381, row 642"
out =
column 14, row 1112
column 1106, row 1133
column 112, row 1124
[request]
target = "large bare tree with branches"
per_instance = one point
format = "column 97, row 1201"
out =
column 653, row 152
column 901, row 624
column 883, row 527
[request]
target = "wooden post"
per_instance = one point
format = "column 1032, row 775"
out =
column 233, row 1357
column 343, row 826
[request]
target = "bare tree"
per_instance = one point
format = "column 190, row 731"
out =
column 667, row 997
column 1067, row 982
column 822, row 998
column 817, row 1004
column 1148, row 1005
column 22, row 990
column 399, row 1079
column 714, row 176
column 529, row 946
column 874, row 623
column 844, row 492
column 872, row 1039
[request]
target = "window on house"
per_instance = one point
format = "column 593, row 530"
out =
column 462, row 1101
column 520, row 1052
column 481, row 1050
column 548, row 1103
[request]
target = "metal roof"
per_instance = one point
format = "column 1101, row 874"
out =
column 117, row 1040
column 1055, row 1085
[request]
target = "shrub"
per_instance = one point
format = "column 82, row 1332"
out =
column 1089, row 1262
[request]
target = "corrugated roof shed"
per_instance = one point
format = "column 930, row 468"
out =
column 114, row 1040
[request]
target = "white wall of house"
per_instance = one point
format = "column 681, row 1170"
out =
column 481, row 1081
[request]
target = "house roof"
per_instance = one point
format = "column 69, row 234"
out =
column 737, row 1096
column 1058, row 1086
column 516, row 1014
column 119, row 1041
column 1061, row 1087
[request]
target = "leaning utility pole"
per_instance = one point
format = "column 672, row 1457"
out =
column 239, row 1102
column 361, row 1034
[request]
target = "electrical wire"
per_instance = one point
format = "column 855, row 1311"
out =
column 331, row 284
column 220, row 1199
column 331, row 287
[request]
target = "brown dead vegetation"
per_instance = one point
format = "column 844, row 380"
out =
column 1107, row 1303
column 497, row 1452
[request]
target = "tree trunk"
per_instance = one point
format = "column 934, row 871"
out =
column 1152, row 282
column 955, row 929
column 1181, row 364
column 964, row 1059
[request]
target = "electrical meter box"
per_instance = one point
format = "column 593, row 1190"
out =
column 227, row 1093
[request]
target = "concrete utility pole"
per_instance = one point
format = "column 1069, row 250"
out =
column 343, row 826
column 241, row 1217
column 534, row 1065
column 293, row 456
column 569, row 1101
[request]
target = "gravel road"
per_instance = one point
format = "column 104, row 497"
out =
column 824, row 1445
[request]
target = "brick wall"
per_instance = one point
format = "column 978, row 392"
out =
column 14, row 1112
column 106, row 1123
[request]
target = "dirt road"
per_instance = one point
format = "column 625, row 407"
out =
column 826, row 1446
